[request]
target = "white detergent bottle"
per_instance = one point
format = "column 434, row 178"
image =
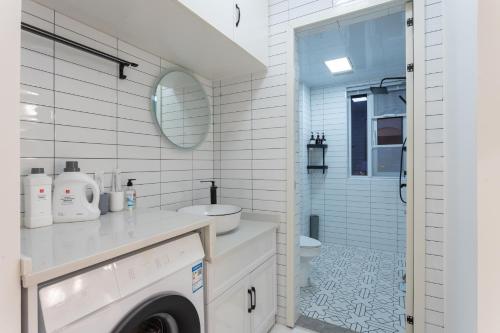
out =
column 37, row 199
column 70, row 202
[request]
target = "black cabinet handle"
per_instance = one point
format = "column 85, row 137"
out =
column 254, row 305
column 251, row 301
column 239, row 15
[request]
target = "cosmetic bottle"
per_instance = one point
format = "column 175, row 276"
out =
column 130, row 194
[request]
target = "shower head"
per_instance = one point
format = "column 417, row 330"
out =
column 380, row 90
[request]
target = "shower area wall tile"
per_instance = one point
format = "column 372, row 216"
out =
column 355, row 211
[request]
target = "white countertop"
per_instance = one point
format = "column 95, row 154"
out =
column 247, row 230
column 62, row 248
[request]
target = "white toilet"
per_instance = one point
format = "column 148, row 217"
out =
column 309, row 248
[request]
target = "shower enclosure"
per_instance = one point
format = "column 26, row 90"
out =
column 358, row 280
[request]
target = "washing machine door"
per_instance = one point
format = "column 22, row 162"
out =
column 161, row 314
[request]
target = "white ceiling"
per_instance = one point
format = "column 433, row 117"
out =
column 375, row 47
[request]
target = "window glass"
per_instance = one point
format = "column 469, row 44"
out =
column 386, row 161
column 390, row 131
column 359, row 135
column 389, row 103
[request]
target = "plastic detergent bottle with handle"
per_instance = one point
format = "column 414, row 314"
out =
column 70, row 202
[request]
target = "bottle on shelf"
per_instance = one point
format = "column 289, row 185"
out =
column 323, row 139
column 318, row 139
column 312, row 140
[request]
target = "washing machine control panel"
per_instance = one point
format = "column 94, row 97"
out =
column 66, row 301
column 138, row 271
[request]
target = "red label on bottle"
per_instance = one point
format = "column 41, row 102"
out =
column 42, row 190
column 67, row 191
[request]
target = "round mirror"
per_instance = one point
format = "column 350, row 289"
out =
column 181, row 109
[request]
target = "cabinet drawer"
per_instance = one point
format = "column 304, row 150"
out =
column 232, row 266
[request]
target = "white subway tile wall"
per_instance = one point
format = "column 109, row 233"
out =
column 435, row 168
column 74, row 107
column 355, row 211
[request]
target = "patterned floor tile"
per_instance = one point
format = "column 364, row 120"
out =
column 357, row 289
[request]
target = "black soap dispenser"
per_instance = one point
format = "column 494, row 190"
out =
column 312, row 140
column 318, row 139
column 323, row 139
column 213, row 191
column 130, row 194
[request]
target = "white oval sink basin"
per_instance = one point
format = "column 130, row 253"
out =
column 227, row 217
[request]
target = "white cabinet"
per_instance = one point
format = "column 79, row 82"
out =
column 218, row 13
column 251, row 27
column 230, row 312
column 243, row 21
column 200, row 35
column 249, row 306
column 241, row 283
column 263, row 286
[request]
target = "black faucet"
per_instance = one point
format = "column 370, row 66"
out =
column 213, row 191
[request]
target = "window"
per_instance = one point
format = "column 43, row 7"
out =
column 377, row 132
column 359, row 135
column 389, row 131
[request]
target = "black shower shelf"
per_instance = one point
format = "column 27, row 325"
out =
column 322, row 167
column 317, row 145
column 317, row 167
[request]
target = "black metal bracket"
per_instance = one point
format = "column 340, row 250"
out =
column 323, row 166
column 63, row 40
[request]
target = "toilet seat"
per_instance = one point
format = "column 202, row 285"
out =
column 309, row 242
column 309, row 247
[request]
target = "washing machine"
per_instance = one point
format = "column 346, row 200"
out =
column 159, row 289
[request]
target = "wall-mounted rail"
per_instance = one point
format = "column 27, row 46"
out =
column 63, row 40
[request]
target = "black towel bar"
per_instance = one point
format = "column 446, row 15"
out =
column 63, row 40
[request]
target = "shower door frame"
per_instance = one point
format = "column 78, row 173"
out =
column 415, row 83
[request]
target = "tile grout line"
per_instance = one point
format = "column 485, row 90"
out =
column 54, row 93
column 251, row 141
column 116, row 114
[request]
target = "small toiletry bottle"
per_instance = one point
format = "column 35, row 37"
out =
column 323, row 139
column 104, row 196
column 37, row 199
column 312, row 140
column 116, row 196
column 318, row 139
column 130, row 194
